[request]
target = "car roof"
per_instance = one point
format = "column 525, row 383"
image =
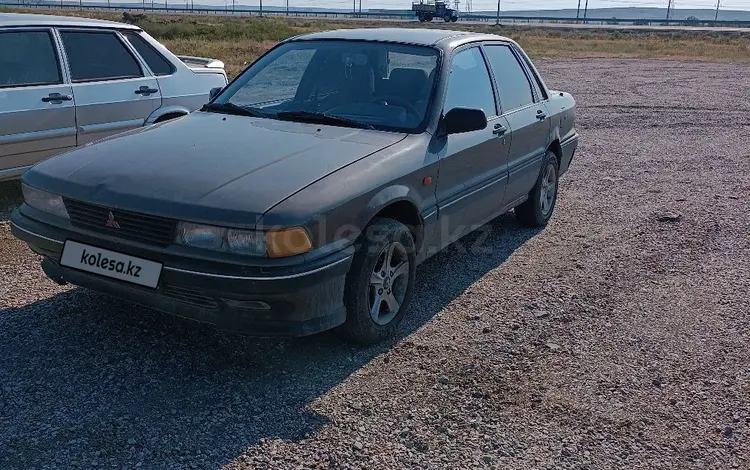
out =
column 30, row 19
column 419, row 36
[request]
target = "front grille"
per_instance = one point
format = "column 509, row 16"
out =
column 189, row 296
column 132, row 226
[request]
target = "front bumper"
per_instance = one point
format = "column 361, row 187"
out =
column 283, row 301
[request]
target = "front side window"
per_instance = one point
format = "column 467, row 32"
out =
column 95, row 56
column 28, row 58
column 512, row 84
column 156, row 62
column 469, row 84
column 357, row 83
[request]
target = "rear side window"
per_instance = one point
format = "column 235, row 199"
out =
column 98, row 56
column 512, row 83
column 469, row 85
column 16, row 67
column 156, row 62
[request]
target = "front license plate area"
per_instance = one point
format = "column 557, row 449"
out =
column 110, row 264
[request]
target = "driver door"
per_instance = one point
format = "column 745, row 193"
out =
column 474, row 166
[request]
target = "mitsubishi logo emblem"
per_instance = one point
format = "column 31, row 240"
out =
column 111, row 222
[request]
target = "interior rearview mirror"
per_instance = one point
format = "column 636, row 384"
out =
column 459, row 120
column 214, row 91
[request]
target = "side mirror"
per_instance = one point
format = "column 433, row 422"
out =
column 460, row 120
column 214, row 91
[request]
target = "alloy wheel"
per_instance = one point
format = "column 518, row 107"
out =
column 388, row 283
column 548, row 189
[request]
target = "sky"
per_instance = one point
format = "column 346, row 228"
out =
column 517, row 4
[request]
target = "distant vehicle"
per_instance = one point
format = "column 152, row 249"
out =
column 303, row 196
column 427, row 10
column 65, row 82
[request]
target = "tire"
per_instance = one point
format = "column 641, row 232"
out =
column 421, row 18
column 447, row 18
column 454, row 19
column 428, row 18
column 383, row 236
column 535, row 212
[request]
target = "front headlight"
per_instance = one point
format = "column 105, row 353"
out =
column 44, row 201
column 274, row 244
column 210, row 237
column 200, row 236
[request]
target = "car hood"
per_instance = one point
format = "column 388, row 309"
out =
column 206, row 167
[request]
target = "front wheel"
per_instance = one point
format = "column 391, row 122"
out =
column 454, row 19
column 379, row 283
column 537, row 209
column 447, row 18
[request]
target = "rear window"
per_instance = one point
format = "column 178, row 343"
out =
column 98, row 56
column 16, row 69
column 158, row 64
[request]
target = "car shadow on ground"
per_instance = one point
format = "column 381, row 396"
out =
column 10, row 198
column 85, row 377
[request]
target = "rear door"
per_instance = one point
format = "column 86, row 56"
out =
column 527, row 115
column 37, row 114
column 473, row 169
column 113, row 92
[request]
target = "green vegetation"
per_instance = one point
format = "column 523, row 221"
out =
column 239, row 40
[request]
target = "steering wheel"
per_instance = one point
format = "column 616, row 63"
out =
column 398, row 101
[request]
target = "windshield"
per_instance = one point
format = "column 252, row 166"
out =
column 341, row 83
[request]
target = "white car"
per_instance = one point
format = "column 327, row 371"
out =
column 68, row 81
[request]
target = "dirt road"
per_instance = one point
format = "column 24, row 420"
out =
column 619, row 337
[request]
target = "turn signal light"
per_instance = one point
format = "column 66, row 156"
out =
column 287, row 242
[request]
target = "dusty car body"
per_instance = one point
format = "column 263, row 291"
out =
column 65, row 82
column 280, row 219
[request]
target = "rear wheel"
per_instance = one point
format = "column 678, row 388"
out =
column 379, row 283
column 454, row 19
column 428, row 18
column 537, row 209
column 447, row 18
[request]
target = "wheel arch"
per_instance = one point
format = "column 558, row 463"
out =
column 556, row 149
column 169, row 112
column 398, row 203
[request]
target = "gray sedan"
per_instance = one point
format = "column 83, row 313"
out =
column 305, row 194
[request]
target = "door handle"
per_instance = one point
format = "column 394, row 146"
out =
column 144, row 90
column 541, row 115
column 499, row 129
column 56, row 98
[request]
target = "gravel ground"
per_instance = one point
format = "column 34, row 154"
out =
column 618, row 337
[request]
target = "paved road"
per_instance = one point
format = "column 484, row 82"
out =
column 491, row 21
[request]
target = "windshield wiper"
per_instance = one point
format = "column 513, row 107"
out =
column 231, row 108
column 322, row 118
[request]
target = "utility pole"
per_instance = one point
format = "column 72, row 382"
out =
column 287, row 7
column 586, row 11
column 670, row 6
column 578, row 12
column 497, row 20
column 718, row 5
column 360, row 7
column 261, row 8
